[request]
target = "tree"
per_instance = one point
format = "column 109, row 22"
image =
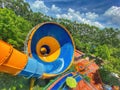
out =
column 20, row 7
column 13, row 29
column 103, row 51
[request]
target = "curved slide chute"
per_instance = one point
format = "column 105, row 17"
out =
column 50, row 51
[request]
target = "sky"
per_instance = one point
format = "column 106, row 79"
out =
column 100, row 13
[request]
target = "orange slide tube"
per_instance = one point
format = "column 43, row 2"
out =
column 11, row 60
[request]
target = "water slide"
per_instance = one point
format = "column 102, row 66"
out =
column 60, row 83
column 49, row 52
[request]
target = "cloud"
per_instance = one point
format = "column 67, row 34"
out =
column 55, row 9
column 39, row 6
column 71, row 10
column 108, row 18
column 87, row 18
column 113, row 11
column 91, row 16
column 25, row 1
column 113, row 15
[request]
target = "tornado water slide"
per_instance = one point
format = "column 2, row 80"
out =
column 50, row 51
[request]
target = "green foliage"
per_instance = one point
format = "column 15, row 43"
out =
column 20, row 7
column 112, row 65
column 37, row 18
column 8, row 82
column 16, row 19
column 13, row 29
column 103, row 51
column 107, row 78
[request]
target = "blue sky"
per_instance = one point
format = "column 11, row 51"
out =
column 100, row 13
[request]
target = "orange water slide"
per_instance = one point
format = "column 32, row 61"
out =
column 11, row 60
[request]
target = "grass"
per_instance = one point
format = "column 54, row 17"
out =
column 9, row 82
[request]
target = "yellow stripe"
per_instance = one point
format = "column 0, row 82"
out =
column 54, row 46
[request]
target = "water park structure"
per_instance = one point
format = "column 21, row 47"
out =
column 50, row 52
